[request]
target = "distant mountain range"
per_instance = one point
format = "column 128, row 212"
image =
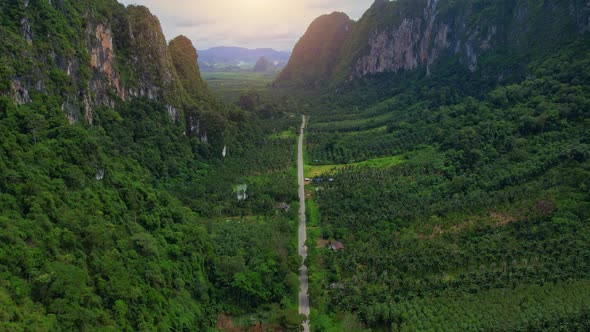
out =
column 239, row 58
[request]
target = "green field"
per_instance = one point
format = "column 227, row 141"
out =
column 284, row 134
column 313, row 213
column 385, row 162
column 230, row 85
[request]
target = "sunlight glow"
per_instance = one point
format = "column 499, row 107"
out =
column 247, row 23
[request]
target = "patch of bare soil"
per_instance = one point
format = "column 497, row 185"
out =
column 321, row 243
column 495, row 218
column 503, row 219
column 225, row 323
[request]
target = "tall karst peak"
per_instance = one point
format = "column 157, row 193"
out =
column 184, row 57
column 314, row 57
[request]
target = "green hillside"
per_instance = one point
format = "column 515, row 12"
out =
column 116, row 204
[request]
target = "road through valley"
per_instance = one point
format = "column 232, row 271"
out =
column 303, row 279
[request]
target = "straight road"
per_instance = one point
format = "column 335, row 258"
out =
column 303, row 279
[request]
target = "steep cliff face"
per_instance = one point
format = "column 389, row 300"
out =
column 155, row 76
column 405, row 35
column 43, row 53
column 314, row 56
column 413, row 42
column 417, row 34
column 89, row 54
column 105, row 77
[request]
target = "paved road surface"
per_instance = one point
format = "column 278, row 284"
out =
column 303, row 280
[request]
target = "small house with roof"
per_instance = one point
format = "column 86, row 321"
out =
column 336, row 246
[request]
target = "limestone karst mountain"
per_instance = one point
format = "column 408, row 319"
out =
column 94, row 54
column 417, row 35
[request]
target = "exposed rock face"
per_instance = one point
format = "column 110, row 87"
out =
column 26, row 31
column 102, row 62
column 21, row 92
column 152, row 75
column 102, row 55
column 392, row 50
column 150, row 57
column 193, row 126
column 173, row 112
column 419, row 41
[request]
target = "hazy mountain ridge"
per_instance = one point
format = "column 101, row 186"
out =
column 223, row 57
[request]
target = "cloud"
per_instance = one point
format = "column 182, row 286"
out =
column 327, row 4
column 183, row 22
column 247, row 23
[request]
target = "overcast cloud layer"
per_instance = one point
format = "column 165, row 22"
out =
column 246, row 23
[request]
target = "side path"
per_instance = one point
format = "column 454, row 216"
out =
column 303, row 279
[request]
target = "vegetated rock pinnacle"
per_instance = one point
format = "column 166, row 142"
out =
column 184, row 57
column 262, row 64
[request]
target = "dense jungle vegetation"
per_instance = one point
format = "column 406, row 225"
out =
column 482, row 223
column 118, row 177
column 130, row 225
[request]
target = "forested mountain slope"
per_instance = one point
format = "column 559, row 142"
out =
column 93, row 53
column 116, row 202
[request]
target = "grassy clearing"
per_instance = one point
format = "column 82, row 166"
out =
column 313, row 213
column 385, row 162
column 284, row 135
column 239, row 77
column 378, row 121
column 312, row 171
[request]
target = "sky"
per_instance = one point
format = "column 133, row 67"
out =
column 276, row 24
